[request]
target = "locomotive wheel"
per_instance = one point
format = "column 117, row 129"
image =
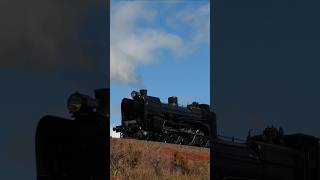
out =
column 179, row 140
column 196, row 141
column 171, row 138
column 185, row 140
column 203, row 141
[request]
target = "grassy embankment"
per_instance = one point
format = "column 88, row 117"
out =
column 134, row 159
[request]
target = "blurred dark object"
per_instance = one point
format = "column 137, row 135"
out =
column 75, row 148
column 271, row 155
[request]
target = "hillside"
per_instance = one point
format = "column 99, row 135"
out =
column 135, row 159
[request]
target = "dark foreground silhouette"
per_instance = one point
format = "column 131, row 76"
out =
column 75, row 148
column 269, row 156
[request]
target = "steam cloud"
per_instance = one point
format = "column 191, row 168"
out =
column 133, row 45
column 114, row 134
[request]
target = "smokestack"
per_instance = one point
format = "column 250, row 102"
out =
column 173, row 100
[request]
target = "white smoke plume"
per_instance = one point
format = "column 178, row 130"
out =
column 132, row 45
column 114, row 134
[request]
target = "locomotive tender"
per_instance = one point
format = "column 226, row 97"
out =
column 146, row 117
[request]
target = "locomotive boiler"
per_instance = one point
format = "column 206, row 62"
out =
column 146, row 117
column 76, row 147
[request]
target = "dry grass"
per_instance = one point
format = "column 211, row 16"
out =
column 133, row 159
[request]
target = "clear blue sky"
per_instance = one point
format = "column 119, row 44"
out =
column 184, row 73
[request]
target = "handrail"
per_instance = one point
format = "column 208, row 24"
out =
column 233, row 139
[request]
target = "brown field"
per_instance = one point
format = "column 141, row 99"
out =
column 134, row 159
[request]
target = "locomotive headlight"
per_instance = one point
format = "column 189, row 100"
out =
column 75, row 102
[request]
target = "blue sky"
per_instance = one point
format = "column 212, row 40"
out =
column 162, row 47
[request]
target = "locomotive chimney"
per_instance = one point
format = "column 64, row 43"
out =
column 173, row 100
column 143, row 92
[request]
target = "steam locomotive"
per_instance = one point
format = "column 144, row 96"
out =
column 146, row 117
column 75, row 148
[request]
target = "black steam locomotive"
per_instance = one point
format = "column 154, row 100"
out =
column 75, row 148
column 146, row 117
